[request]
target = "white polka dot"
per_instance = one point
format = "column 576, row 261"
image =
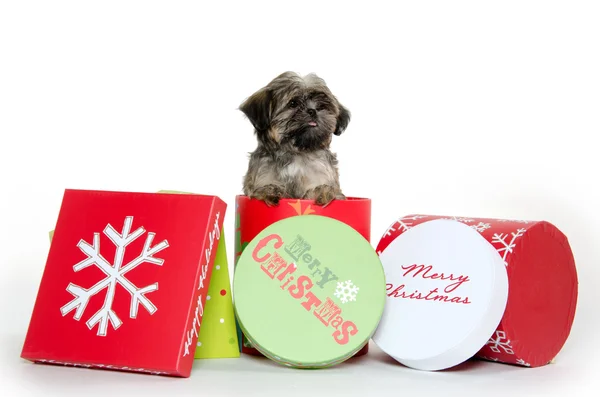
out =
column 222, row 320
column 207, row 297
column 199, row 344
column 218, row 267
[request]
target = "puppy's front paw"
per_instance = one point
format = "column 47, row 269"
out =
column 270, row 194
column 324, row 194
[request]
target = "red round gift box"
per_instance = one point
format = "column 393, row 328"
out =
column 542, row 280
column 253, row 216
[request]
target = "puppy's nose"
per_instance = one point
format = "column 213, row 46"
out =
column 312, row 112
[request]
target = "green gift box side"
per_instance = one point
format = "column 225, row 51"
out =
column 218, row 334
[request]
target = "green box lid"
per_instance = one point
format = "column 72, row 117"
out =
column 309, row 291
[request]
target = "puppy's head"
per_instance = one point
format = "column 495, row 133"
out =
column 296, row 112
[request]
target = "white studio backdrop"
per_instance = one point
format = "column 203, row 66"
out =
column 460, row 108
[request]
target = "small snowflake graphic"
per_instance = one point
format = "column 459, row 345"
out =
column 513, row 221
column 481, row 227
column 297, row 206
column 403, row 224
column 488, row 358
column 520, row 361
column 115, row 274
column 506, row 247
column 346, row 291
column 499, row 343
column 459, row 219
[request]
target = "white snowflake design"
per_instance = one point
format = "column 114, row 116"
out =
column 506, row 248
column 346, row 291
column 520, row 361
column 403, row 224
column 488, row 358
column 500, row 343
column 459, row 219
column 513, row 221
column 115, row 274
column 481, row 227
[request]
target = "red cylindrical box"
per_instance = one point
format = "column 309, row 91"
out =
column 543, row 286
column 252, row 216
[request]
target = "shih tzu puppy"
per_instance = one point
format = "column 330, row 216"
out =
column 294, row 119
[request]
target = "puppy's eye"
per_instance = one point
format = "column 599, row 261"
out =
column 293, row 104
column 321, row 107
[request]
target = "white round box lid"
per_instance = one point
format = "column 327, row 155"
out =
column 447, row 289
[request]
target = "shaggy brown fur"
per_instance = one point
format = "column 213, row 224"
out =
column 294, row 119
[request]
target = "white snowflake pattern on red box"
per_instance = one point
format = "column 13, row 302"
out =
column 542, row 285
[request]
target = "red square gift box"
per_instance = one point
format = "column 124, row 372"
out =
column 125, row 281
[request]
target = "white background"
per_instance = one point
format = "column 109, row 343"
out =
column 459, row 108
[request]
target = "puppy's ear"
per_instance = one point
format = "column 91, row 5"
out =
column 342, row 120
column 258, row 109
